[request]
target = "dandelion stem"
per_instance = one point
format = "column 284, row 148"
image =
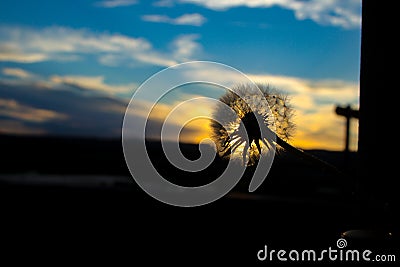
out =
column 306, row 156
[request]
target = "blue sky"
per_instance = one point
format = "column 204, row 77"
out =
column 95, row 51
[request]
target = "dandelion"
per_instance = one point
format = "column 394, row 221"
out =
column 240, row 136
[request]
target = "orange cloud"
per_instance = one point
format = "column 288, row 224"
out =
column 322, row 130
column 317, row 125
column 17, row 127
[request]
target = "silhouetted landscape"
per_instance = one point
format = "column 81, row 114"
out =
column 84, row 182
column 42, row 155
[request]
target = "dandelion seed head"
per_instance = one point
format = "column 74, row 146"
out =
column 237, row 135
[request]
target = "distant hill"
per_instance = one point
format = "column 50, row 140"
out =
column 94, row 156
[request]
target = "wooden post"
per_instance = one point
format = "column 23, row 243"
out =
column 348, row 113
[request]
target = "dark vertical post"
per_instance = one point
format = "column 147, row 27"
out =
column 346, row 149
column 375, row 180
column 348, row 113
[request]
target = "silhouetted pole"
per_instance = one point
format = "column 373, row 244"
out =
column 348, row 113
column 376, row 173
column 376, row 185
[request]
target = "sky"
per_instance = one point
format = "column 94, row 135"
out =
column 70, row 67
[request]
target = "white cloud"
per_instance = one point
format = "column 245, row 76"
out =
column 89, row 83
column 94, row 83
column 194, row 19
column 22, row 57
column 185, row 46
column 327, row 91
column 16, row 72
column 306, row 94
column 115, row 3
column 28, row 45
column 190, row 19
column 155, row 58
column 13, row 109
column 346, row 14
column 164, row 3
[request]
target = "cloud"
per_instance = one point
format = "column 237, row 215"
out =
column 93, row 83
column 317, row 125
column 58, row 112
column 68, row 113
column 12, row 109
column 185, row 46
column 314, row 101
column 22, row 58
column 178, row 114
column 194, row 19
column 321, row 91
column 323, row 129
column 164, row 3
column 346, row 14
column 16, row 72
column 29, row 45
column 17, row 127
column 115, row 3
column 84, row 84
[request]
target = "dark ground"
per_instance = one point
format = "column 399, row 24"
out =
column 67, row 197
